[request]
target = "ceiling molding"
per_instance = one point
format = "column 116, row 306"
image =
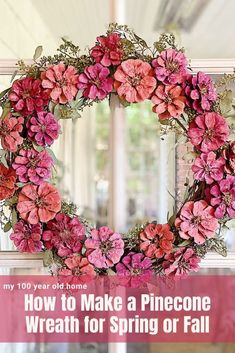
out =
column 212, row 66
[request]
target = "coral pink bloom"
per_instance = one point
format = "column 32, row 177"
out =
column 196, row 220
column 27, row 96
column 10, row 129
column 134, row 269
column 229, row 156
column 38, row 203
column 134, row 80
column 156, row 240
column 27, row 237
column 104, row 248
column 65, row 234
column 96, row 82
column 108, row 50
column 208, row 132
column 168, row 101
column 223, row 197
column 33, row 166
column 200, row 92
column 207, row 168
column 7, row 182
column 77, row 266
column 178, row 264
column 78, row 270
column 170, row 67
column 61, row 82
column 43, row 129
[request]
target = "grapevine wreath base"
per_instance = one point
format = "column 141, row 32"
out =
column 59, row 87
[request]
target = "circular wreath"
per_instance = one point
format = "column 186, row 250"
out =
column 59, row 87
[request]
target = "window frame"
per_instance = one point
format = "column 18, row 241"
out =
column 14, row 259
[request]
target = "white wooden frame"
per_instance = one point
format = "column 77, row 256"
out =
column 13, row 259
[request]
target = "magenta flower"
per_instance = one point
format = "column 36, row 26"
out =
column 197, row 220
column 64, row 233
column 179, row 263
column 33, row 166
column 96, row 82
column 134, row 269
column 200, row 92
column 27, row 237
column 61, row 82
column 27, row 96
column 222, row 197
column 208, row 132
column 104, row 248
column 207, row 168
column 43, row 129
column 170, row 67
column 108, row 50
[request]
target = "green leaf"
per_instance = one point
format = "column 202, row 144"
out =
column 6, row 110
column 7, row 227
column 164, row 121
column 231, row 223
column 20, row 185
column 190, row 156
column 14, row 217
column 37, row 53
column 226, row 102
column 2, row 94
column 124, row 102
column 4, row 161
column 38, row 148
column 52, row 154
column 140, row 41
column 51, row 106
column 48, row 258
column 185, row 243
column 218, row 245
column 171, row 220
column 14, row 75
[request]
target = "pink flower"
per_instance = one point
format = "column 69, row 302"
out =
column 196, row 220
column 78, row 269
column 200, row 92
column 43, row 129
column 169, row 101
column 229, row 156
column 156, row 240
column 27, row 237
column 7, row 182
column 179, row 263
column 134, row 269
column 208, row 132
column 222, row 197
column 207, row 168
column 104, row 248
column 108, row 51
column 65, row 234
column 10, row 129
column 61, row 82
column 38, row 203
column 134, row 80
column 33, row 166
column 170, row 67
column 96, row 82
column 27, row 96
